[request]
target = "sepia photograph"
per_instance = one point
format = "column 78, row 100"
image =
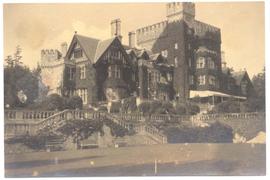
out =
column 135, row 89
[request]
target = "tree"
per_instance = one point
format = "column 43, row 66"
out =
column 256, row 100
column 19, row 79
column 258, row 82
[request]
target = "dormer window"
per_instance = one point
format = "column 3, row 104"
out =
column 78, row 53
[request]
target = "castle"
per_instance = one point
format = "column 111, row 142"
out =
column 176, row 59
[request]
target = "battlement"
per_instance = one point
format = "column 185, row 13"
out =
column 151, row 32
column 179, row 10
column 50, row 54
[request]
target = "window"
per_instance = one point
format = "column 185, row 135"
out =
column 117, row 72
column 175, row 62
column 133, row 77
column 200, row 62
column 211, row 63
column 156, row 76
column 189, row 62
column 78, row 53
column 83, row 95
column 109, row 71
column 82, row 72
column 176, row 46
column 201, row 80
column 164, row 53
column 191, row 79
column 169, row 76
column 189, row 46
column 71, row 73
column 212, row 80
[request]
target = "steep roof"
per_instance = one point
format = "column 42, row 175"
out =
column 102, row 47
column 89, row 45
column 93, row 48
column 238, row 76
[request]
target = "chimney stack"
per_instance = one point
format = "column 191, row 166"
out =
column 131, row 38
column 116, row 28
column 64, row 49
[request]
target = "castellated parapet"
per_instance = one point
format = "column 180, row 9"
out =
column 151, row 32
column 50, row 57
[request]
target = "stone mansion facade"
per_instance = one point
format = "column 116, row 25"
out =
column 176, row 59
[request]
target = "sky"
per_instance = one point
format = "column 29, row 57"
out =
column 45, row 26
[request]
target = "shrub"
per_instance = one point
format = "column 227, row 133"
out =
column 154, row 106
column 115, row 107
column 229, row 106
column 103, row 109
column 144, row 107
column 129, row 105
column 54, row 102
column 165, row 108
column 180, row 109
column 215, row 133
column 253, row 105
column 75, row 102
column 193, row 108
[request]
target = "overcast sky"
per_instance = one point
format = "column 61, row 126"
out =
column 46, row 26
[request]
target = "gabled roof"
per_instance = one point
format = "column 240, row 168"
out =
column 93, row 48
column 238, row 76
column 225, row 70
column 88, row 44
column 102, row 47
column 155, row 57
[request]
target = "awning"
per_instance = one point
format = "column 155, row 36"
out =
column 193, row 94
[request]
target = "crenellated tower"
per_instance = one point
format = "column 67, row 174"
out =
column 180, row 10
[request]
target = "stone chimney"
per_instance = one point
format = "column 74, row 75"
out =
column 64, row 49
column 131, row 39
column 116, row 29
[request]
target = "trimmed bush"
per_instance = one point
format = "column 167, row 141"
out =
column 54, row 102
column 144, row 107
column 75, row 102
column 115, row 107
column 229, row 106
column 216, row 133
column 129, row 105
column 180, row 109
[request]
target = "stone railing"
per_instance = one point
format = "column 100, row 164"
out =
column 15, row 126
column 155, row 134
column 27, row 115
column 227, row 116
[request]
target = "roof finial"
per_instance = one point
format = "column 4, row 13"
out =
column 75, row 32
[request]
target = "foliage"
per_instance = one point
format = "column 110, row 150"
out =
column 103, row 109
column 116, row 129
column 144, row 107
column 180, row 109
column 19, row 78
column 230, row 106
column 115, row 107
column 81, row 129
column 216, row 133
column 74, row 102
column 53, row 102
column 129, row 105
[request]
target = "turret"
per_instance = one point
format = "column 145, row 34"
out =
column 180, row 10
